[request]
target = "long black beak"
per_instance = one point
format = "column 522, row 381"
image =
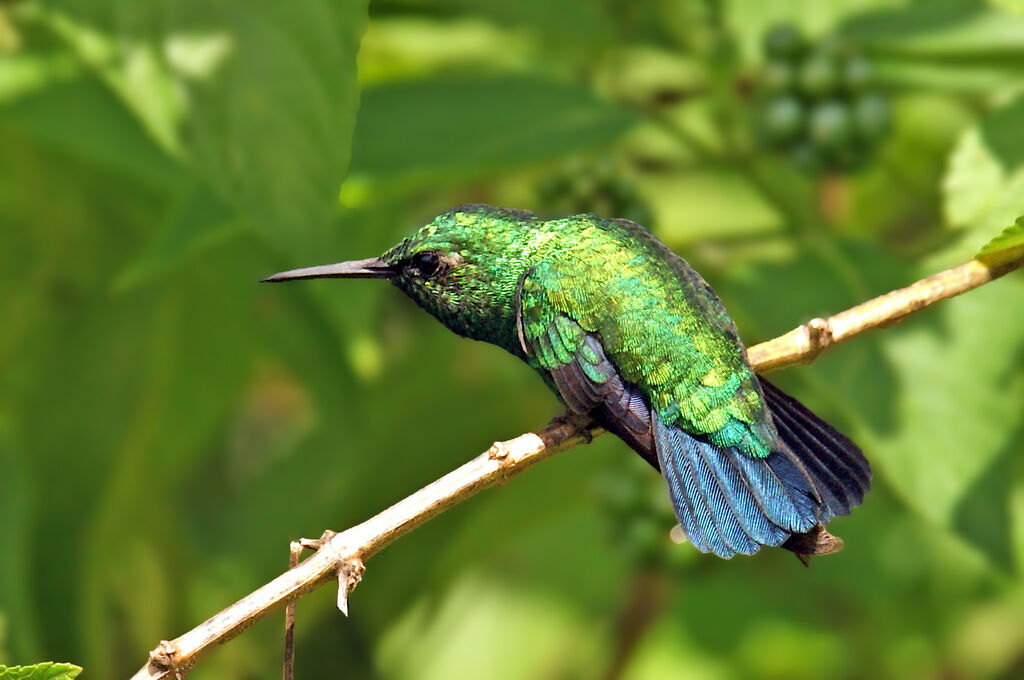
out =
column 373, row 268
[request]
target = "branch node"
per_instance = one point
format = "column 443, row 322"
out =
column 819, row 337
column 348, row 565
column 163, row 658
column 498, row 451
column 317, row 543
column 163, row 655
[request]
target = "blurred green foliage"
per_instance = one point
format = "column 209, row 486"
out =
column 167, row 425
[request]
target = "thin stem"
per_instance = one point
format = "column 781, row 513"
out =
column 341, row 556
column 289, row 618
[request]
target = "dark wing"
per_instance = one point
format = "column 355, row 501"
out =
column 587, row 382
column 840, row 471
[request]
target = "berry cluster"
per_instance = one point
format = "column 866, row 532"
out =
column 818, row 103
column 601, row 187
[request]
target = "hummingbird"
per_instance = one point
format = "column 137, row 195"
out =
column 630, row 337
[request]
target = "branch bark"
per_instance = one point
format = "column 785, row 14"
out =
column 341, row 556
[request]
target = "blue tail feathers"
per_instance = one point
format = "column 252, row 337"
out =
column 730, row 503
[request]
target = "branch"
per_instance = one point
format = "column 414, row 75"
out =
column 802, row 344
column 342, row 556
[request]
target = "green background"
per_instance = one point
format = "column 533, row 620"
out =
column 167, row 425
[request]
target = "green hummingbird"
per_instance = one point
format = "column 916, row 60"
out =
column 627, row 334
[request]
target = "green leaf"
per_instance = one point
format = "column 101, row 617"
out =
column 693, row 206
column 1011, row 238
column 133, row 69
column 973, row 77
column 984, row 185
column 587, row 20
column 946, row 45
column 101, row 132
column 464, row 128
column 17, row 615
column 40, row 671
column 197, row 222
column 940, row 28
column 271, row 127
column 257, row 98
column 957, row 414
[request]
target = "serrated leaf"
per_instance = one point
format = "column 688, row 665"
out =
column 40, row 671
column 1011, row 238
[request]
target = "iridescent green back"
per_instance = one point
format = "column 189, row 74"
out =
column 659, row 322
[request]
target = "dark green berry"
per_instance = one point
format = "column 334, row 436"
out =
column 819, row 76
column 857, row 74
column 778, row 77
column 783, row 41
column 830, row 125
column 782, row 119
column 871, row 116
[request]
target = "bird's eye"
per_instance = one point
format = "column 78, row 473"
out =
column 427, row 264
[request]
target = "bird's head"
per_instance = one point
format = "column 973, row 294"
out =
column 463, row 267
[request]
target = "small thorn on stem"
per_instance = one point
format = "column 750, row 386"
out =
column 342, row 592
column 350, row 573
column 349, row 568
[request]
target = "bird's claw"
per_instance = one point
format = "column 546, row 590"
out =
column 817, row 541
column 580, row 423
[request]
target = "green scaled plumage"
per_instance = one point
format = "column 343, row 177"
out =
column 627, row 333
column 659, row 322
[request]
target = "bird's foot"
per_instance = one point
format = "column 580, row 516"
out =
column 581, row 424
column 817, row 541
